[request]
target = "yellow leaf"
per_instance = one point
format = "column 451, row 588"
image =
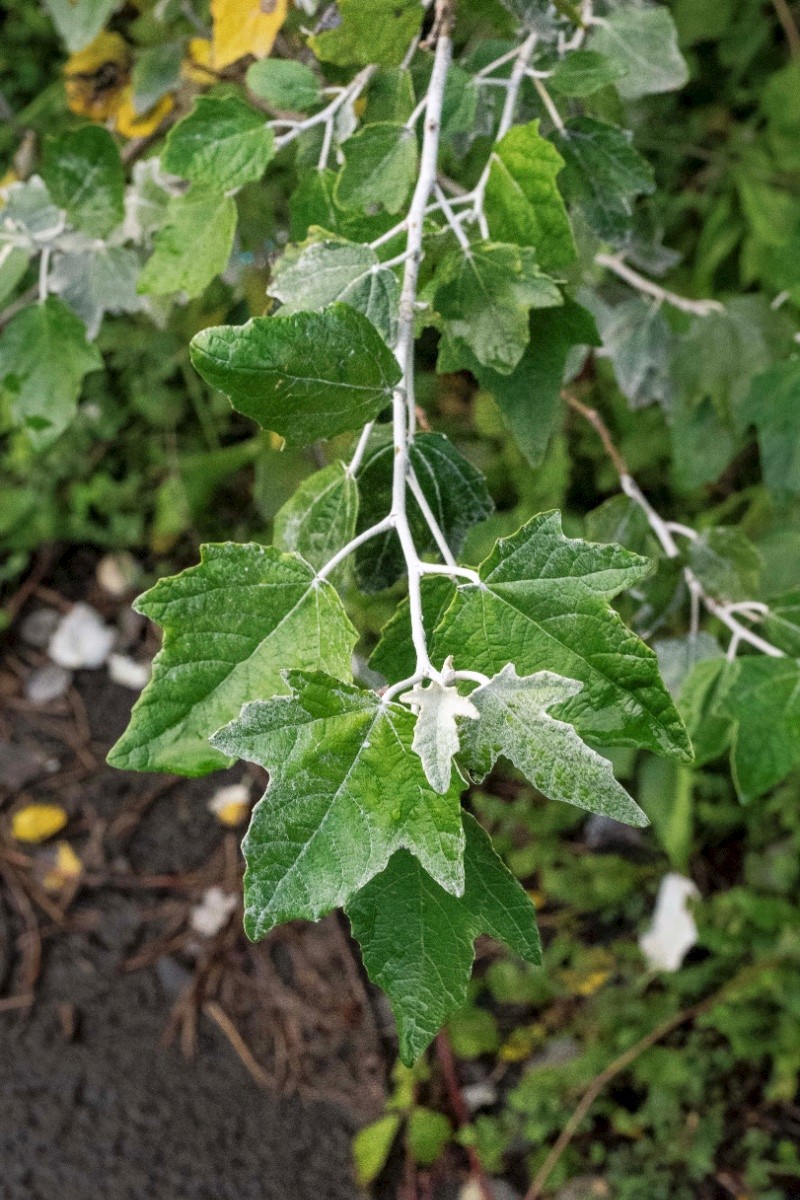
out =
column 132, row 124
column 95, row 77
column 38, row 822
column 244, row 27
column 196, row 66
column 10, row 176
column 66, row 868
column 522, row 1042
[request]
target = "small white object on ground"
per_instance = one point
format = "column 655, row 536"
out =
column 213, row 911
column 128, row 672
column 81, row 639
column 47, row 683
column 117, row 573
column 230, row 804
column 38, row 627
column 673, row 931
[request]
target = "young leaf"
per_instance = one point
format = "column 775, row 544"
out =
column 223, row 143
column 485, row 295
column 425, row 971
column 370, row 31
column 310, row 278
column 380, row 164
column 84, row 175
column 436, row 730
column 44, row 356
column 642, row 42
column 307, row 376
column 285, row 84
column 230, row 624
column 764, row 702
column 244, row 27
column 79, row 21
column 203, row 217
column 97, row 279
column 455, row 490
column 542, row 605
column 523, row 204
column 320, row 518
column 602, row 174
column 514, row 721
column 328, row 823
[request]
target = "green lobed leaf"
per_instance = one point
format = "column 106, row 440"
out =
column 701, row 697
column 307, row 376
column 727, row 563
column 380, row 166
column 320, row 518
column 44, row 357
column 425, row 971
column 642, row 42
column 85, row 176
column 523, row 203
column 542, row 605
column 584, row 72
column 285, row 84
column 638, row 340
column 313, row 276
column 764, row 701
column 514, row 722
column 485, row 295
column 223, row 143
column 369, row 31
column 312, row 204
column 231, row 624
column 455, row 490
column 202, row 218
column 530, row 397
column 782, row 624
column 328, row 823
column 602, row 174
column 772, row 404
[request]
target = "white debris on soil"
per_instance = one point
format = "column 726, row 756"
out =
column 47, row 683
column 673, row 931
column 38, row 627
column 81, row 640
column 230, row 804
column 128, row 672
column 117, row 573
column 213, row 911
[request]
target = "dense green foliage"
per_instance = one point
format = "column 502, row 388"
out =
column 365, row 228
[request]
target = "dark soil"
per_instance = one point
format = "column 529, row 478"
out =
column 138, row 1059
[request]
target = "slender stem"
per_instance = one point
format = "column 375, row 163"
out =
column 16, row 306
column 547, row 101
column 614, row 263
column 789, row 26
column 365, row 536
column 430, row 519
column 44, row 267
column 447, row 569
column 663, row 533
column 452, row 221
column 326, row 115
column 360, row 450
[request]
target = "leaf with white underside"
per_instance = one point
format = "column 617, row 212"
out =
column 603, row 173
column 380, row 163
column 514, row 722
column 317, row 274
column 328, row 822
column 642, row 43
column 523, row 203
column 484, row 296
column 417, row 940
column 222, row 142
column 320, row 518
column 307, row 376
column 96, row 279
column 543, row 605
column 194, row 245
column 230, row 624
column 436, row 732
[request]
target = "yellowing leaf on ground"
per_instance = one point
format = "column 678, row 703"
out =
column 244, row 28
column 65, row 868
column 38, row 822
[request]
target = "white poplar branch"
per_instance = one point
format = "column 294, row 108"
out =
column 615, row 264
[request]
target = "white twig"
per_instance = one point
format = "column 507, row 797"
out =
column 453, row 221
column 326, row 115
column 451, row 570
column 615, row 264
column 547, row 101
column 44, row 267
column 360, row 450
column 374, row 531
column 430, row 519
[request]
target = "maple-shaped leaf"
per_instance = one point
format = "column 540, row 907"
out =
column 417, row 940
column 346, row 791
column 231, row 624
column 437, row 706
column 542, row 604
column 514, row 721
